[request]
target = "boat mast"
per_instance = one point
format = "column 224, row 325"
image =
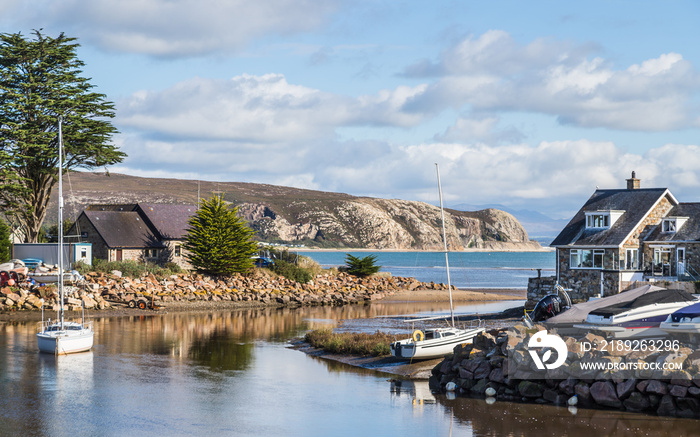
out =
column 444, row 241
column 60, row 216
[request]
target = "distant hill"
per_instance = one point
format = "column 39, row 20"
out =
column 312, row 218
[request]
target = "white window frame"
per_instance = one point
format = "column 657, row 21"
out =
column 592, row 259
column 632, row 259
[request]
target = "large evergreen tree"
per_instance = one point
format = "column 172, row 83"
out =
column 39, row 81
column 218, row 241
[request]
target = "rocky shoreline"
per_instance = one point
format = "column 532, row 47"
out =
column 497, row 365
column 108, row 294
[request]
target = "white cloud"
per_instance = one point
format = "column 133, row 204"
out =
column 175, row 28
column 494, row 73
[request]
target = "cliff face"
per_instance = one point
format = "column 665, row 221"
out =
column 388, row 224
column 292, row 215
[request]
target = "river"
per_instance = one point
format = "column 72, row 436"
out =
column 234, row 373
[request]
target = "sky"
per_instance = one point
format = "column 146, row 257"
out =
column 525, row 104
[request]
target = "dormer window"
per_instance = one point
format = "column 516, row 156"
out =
column 672, row 224
column 602, row 219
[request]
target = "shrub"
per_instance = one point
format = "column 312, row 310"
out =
column 5, row 243
column 292, row 271
column 364, row 266
column 129, row 268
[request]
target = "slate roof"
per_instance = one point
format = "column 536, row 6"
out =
column 123, row 229
column 170, row 221
column 636, row 204
column 690, row 231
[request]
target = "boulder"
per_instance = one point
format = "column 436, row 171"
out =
column 604, row 393
column 529, row 389
column 636, row 402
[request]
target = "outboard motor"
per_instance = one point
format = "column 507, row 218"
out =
column 549, row 306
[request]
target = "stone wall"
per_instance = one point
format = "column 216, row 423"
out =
column 100, row 290
column 486, row 368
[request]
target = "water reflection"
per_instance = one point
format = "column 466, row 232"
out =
column 417, row 390
column 507, row 418
column 231, row 372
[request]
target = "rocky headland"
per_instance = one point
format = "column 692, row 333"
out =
column 313, row 218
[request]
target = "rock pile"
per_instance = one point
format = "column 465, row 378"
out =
column 663, row 379
column 99, row 289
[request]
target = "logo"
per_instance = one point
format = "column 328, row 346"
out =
column 544, row 340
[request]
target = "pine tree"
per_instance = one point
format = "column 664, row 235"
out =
column 218, row 241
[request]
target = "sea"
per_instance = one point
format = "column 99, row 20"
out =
column 475, row 270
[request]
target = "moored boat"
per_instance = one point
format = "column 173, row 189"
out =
column 62, row 337
column 683, row 321
column 436, row 342
column 638, row 318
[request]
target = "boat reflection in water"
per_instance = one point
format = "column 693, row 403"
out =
column 418, row 390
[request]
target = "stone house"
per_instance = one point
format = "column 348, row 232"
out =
column 140, row 232
column 623, row 236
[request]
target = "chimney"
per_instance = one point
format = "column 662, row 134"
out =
column 633, row 182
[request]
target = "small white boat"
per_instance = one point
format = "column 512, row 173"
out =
column 63, row 337
column 434, row 343
column 437, row 342
column 639, row 318
column 684, row 321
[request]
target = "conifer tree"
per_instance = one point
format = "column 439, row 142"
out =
column 40, row 80
column 218, row 241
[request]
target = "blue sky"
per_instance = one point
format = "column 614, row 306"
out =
column 531, row 105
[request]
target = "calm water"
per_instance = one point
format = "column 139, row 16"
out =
column 233, row 373
column 467, row 269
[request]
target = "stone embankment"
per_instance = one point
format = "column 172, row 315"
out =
column 662, row 379
column 101, row 291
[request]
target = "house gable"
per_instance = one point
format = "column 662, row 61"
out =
column 630, row 207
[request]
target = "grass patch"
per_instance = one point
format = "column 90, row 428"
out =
column 350, row 343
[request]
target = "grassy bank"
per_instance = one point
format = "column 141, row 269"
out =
column 350, row 343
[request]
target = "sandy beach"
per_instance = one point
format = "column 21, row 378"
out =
column 475, row 295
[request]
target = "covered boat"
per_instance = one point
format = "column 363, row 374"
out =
column 638, row 318
column 577, row 314
column 683, row 321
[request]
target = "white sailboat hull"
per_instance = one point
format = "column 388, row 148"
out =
column 71, row 338
column 436, row 347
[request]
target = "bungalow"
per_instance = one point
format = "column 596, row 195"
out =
column 621, row 236
column 140, row 232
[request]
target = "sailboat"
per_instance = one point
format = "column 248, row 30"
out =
column 61, row 337
column 436, row 342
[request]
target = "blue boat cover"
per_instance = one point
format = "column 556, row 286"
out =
column 690, row 311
